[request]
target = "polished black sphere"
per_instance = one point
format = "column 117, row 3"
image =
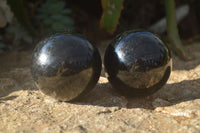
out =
column 137, row 63
column 65, row 66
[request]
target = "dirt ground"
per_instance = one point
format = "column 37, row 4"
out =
column 174, row 108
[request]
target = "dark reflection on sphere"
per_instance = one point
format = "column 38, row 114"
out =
column 137, row 63
column 65, row 66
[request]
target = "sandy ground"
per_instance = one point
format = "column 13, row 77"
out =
column 174, row 108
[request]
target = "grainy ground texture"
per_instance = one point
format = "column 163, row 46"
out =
column 175, row 108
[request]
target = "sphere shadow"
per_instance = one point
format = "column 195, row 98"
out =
column 105, row 95
column 102, row 95
column 169, row 95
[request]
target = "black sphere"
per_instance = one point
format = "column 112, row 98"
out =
column 65, row 66
column 137, row 63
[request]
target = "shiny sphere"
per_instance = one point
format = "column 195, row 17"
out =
column 137, row 63
column 65, row 66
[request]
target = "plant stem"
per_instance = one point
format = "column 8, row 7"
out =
column 172, row 31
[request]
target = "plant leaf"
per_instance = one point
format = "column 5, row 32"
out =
column 17, row 7
column 111, row 13
column 172, row 31
column 55, row 17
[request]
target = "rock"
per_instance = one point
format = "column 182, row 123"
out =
column 160, row 102
column 174, row 108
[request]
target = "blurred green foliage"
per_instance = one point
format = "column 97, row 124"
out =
column 20, row 34
column 111, row 14
column 172, row 31
column 55, row 17
column 17, row 7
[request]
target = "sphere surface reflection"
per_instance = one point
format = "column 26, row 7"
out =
column 137, row 63
column 65, row 66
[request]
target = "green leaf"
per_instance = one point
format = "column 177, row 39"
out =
column 19, row 34
column 66, row 11
column 67, row 21
column 111, row 13
column 56, row 7
column 57, row 17
column 54, row 16
column 17, row 7
column 47, row 22
column 172, row 31
column 57, row 27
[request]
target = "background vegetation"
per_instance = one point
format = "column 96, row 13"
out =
column 24, row 22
